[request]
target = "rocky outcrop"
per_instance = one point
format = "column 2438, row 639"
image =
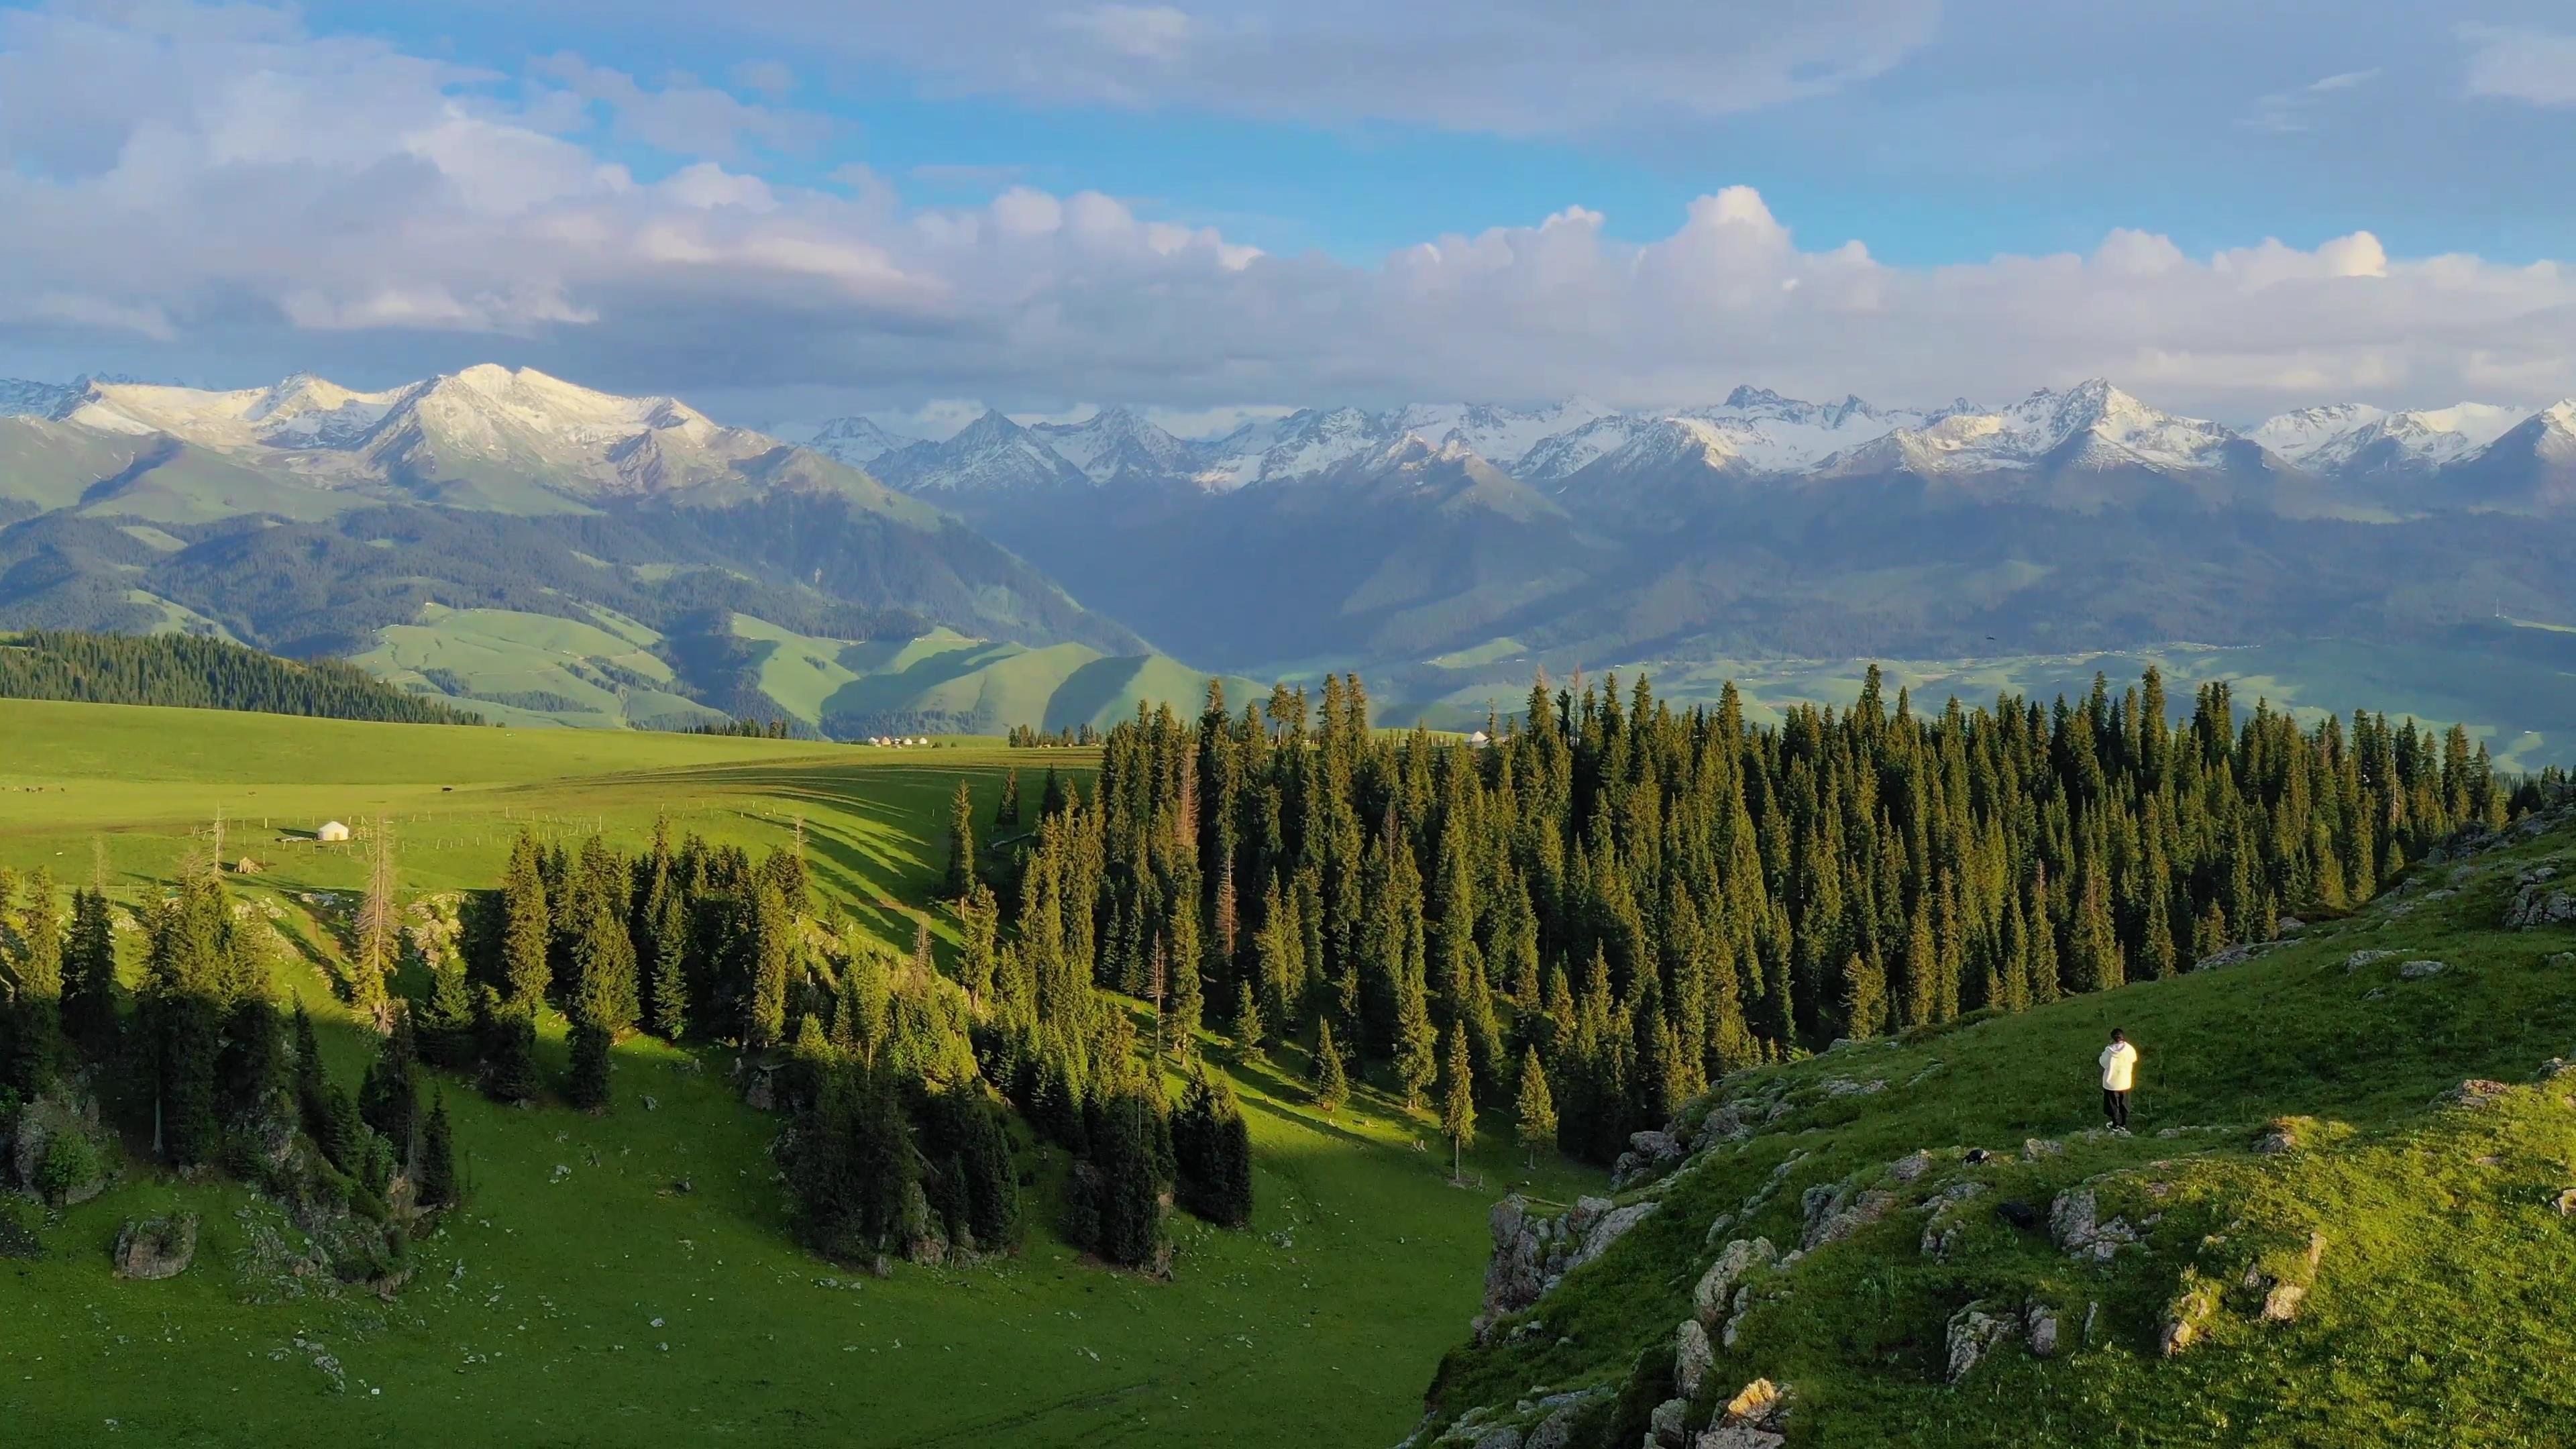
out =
column 1756, row 1418
column 1692, row 1357
column 1716, row 1291
column 57, row 1149
column 2473, row 1093
column 1835, row 1211
column 1534, row 1252
column 1973, row 1333
column 157, row 1248
column 2039, row 1330
column 2538, row 900
column 2359, row 959
column 2187, row 1317
column 1648, row 1154
column 2419, row 969
column 2074, row 1225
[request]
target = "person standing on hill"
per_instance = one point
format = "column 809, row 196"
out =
column 2119, row 1073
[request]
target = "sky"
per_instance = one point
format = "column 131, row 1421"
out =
column 800, row 208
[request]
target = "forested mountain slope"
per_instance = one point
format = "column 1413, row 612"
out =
column 201, row 673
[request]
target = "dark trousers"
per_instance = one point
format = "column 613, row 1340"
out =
column 2115, row 1106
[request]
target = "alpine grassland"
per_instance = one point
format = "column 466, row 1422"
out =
column 2345, row 1213
column 632, row 1275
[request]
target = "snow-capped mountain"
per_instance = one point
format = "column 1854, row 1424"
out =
column 991, row 455
column 1115, row 445
column 470, row 432
column 1501, row 436
column 22, row 398
column 2091, row 427
column 2374, row 442
column 856, row 441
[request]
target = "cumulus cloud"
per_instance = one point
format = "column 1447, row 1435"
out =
column 276, row 201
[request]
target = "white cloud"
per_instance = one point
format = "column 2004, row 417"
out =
column 2293, row 111
column 349, row 206
column 2538, row 66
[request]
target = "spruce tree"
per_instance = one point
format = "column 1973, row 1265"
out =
column 434, row 1173
column 1864, row 998
column 669, row 981
column 961, row 843
column 89, row 978
column 1332, row 1088
column 1457, row 1100
column 1006, row 813
column 768, row 946
column 34, row 1045
column 1249, row 1029
column 1533, row 1110
column 586, row 1086
column 445, row 1021
column 1416, row 1042
column 525, row 971
column 389, row 1097
column 509, row 1050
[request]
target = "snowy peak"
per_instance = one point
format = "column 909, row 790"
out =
column 990, row 455
column 2358, row 440
column 1117, row 445
column 22, row 398
column 855, row 441
column 2093, row 427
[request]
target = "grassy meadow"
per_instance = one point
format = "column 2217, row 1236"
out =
column 2435, row 1314
column 628, row 1277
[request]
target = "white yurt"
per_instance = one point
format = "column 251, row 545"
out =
column 331, row 831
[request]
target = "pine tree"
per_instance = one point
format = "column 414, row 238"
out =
column 33, row 1045
column 446, row 1019
column 435, row 1172
column 961, row 843
column 768, row 946
column 89, row 977
column 389, row 1097
column 1249, row 1029
column 1416, row 1042
column 669, row 982
column 1534, row 1111
column 1006, row 813
column 524, row 972
column 587, row 1085
column 1457, row 1100
column 1332, row 1088
column 1864, row 997
column 509, row 1050
column 312, row 1081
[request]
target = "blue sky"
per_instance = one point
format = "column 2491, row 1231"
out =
column 809, row 205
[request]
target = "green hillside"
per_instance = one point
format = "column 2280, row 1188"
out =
column 630, row 1276
column 2343, row 1217
column 943, row 682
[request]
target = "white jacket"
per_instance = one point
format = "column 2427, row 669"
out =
column 2119, row 1066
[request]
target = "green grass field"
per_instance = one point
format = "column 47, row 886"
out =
column 582, row 1297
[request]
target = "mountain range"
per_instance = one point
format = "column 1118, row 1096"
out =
column 434, row 529
column 2466, row 456
column 1765, row 525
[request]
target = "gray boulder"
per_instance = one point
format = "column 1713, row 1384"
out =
column 2539, row 903
column 1717, row 1286
column 2418, row 970
column 1692, row 1357
column 157, row 1248
column 1974, row 1333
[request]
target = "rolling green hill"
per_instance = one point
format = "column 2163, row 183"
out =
column 2343, row 1217
column 198, row 672
column 630, row 1275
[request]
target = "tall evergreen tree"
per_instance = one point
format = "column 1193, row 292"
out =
column 1331, row 1086
column 1457, row 1100
column 1533, row 1110
column 961, row 843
